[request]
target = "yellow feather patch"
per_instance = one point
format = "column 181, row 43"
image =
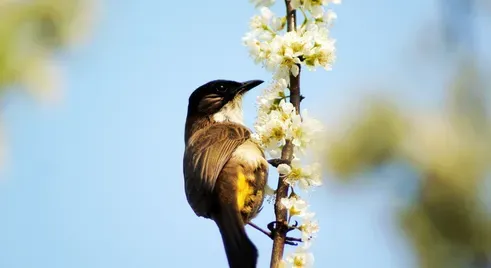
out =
column 244, row 189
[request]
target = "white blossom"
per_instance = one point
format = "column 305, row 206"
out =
column 262, row 3
column 295, row 206
column 284, row 169
column 317, row 11
column 304, row 130
column 304, row 176
column 309, row 4
column 311, row 176
column 327, row 18
column 309, row 227
column 300, row 258
column 278, row 121
column 282, row 53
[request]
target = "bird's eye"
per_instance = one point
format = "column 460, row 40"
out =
column 221, row 88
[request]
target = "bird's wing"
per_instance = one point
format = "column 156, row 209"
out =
column 208, row 150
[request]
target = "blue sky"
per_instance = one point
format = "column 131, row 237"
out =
column 97, row 180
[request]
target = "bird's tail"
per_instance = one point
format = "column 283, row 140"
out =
column 240, row 251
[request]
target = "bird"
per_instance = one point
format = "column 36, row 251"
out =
column 225, row 171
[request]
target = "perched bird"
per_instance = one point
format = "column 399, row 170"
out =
column 225, row 172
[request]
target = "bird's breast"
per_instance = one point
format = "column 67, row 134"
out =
column 251, row 178
column 249, row 154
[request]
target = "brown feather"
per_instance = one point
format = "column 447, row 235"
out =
column 207, row 151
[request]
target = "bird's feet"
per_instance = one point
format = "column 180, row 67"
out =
column 271, row 226
column 277, row 161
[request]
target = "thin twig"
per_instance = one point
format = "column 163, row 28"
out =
column 281, row 229
column 259, row 229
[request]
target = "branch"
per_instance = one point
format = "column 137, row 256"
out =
column 281, row 229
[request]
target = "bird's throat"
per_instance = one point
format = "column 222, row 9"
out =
column 231, row 112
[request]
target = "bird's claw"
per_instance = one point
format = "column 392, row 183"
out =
column 271, row 226
column 293, row 227
column 288, row 240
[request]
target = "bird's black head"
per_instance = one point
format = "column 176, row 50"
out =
column 209, row 98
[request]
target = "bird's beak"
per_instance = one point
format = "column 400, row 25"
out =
column 248, row 85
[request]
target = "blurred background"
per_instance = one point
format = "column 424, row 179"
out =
column 94, row 98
